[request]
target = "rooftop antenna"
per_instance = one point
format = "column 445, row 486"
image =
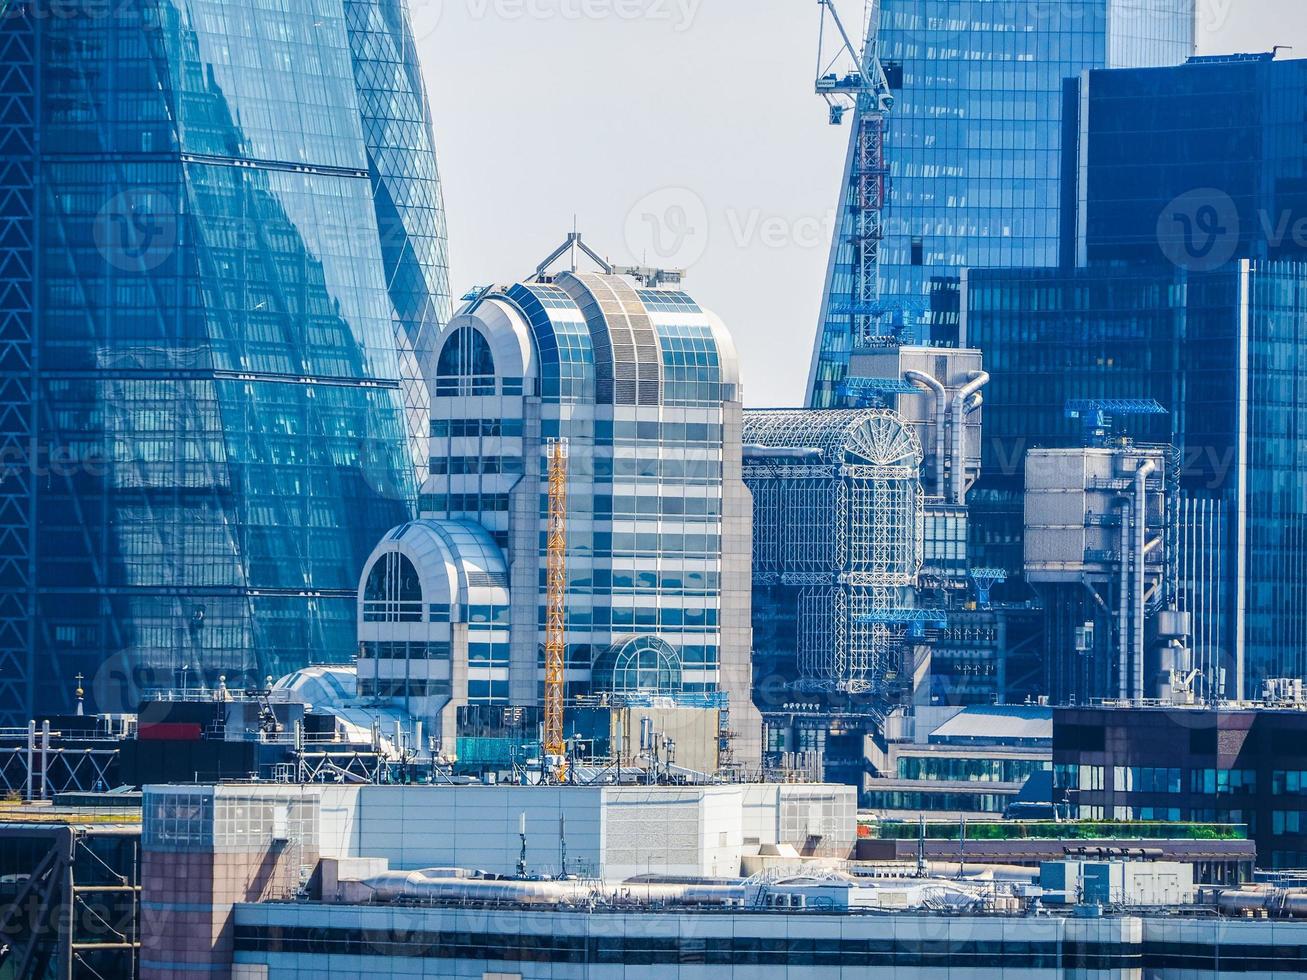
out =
column 962, row 847
column 648, row 277
column 569, row 247
column 562, row 844
column 921, row 845
column 521, row 833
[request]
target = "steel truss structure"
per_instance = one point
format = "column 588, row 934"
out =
column 19, row 24
column 556, row 608
column 838, row 515
column 37, row 764
column 77, row 914
column 866, row 90
column 346, row 766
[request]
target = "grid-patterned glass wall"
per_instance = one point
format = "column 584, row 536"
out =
column 974, row 140
column 218, row 376
column 406, row 193
column 1158, row 332
column 18, row 184
column 1275, row 499
column 1198, row 163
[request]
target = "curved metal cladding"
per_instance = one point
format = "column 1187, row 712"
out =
column 406, row 194
column 433, row 594
column 644, row 384
column 217, row 355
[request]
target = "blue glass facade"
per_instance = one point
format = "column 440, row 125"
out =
column 1194, row 164
column 227, row 245
column 1173, row 177
column 1223, row 351
column 406, row 193
column 973, row 146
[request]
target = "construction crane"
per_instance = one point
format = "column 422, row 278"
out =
column 554, row 764
column 1097, row 415
column 874, row 392
column 865, row 89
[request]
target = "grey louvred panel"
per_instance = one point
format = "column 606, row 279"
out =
column 628, row 357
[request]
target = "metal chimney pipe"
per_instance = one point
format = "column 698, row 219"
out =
column 45, row 760
column 978, row 380
column 924, row 380
column 31, row 760
column 1123, row 607
column 1145, row 469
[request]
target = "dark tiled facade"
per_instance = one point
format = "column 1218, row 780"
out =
column 1222, row 765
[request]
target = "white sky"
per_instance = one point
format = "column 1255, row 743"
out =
column 605, row 110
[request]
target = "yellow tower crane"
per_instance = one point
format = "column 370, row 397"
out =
column 555, row 748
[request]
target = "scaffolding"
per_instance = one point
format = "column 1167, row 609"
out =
column 838, row 517
column 866, row 90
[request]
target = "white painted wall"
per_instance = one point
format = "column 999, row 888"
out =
column 476, row 827
column 615, row 832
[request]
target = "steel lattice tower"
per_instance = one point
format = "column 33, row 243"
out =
column 19, row 97
column 556, row 608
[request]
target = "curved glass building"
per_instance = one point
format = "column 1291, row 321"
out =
column 223, row 256
column 973, row 148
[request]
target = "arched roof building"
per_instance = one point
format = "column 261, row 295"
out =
column 644, row 384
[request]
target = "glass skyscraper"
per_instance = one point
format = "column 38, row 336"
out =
column 973, row 147
column 222, row 257
column 1193, row 165
column 1222, row 350
column 1182, row 281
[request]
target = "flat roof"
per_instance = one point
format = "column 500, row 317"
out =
column 1017, row 722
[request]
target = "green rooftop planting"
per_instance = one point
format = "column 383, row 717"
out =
column 1054, row 830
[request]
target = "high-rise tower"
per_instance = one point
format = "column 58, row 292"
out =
column 972, row 148
column 1179, row 285
column 222, row 258
column 457, row 609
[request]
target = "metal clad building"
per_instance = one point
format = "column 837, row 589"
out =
column 837, row 535
column 644, row 386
